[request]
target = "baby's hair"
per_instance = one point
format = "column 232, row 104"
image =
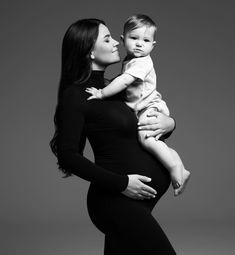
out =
column 137, row 21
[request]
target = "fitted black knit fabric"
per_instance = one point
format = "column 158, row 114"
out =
column 111, row 128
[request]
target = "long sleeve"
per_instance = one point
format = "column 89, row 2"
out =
column 71, row 142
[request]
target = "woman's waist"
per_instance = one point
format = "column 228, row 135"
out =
column 143, row 164
column 127, row 163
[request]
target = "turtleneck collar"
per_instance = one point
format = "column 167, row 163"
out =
column 96, row 79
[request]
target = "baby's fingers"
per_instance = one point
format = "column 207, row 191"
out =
column 91, row 97
column 89, row 90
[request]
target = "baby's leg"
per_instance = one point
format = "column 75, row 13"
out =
column 160, row 150
column 185, row 173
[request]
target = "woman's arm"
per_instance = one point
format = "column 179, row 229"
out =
column 71, row 142
column 159, row 123
column 71, row 123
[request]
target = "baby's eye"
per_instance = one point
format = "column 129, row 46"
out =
column 133, row 37
column 146, row 40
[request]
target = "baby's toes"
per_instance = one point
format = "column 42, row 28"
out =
column 175, row 184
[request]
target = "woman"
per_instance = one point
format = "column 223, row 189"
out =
column 119, row 200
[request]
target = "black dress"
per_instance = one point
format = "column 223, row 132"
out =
column 111, row 128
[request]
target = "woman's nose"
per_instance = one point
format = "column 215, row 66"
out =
column 115, row 43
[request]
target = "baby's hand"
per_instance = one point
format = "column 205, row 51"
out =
column 96, row 93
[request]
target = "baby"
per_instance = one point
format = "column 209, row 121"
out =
column 138, row 78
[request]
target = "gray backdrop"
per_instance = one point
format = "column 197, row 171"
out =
column 42, row 213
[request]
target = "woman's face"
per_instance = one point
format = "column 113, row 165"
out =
column 105, row 51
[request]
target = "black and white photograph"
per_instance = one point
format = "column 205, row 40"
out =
column 117, row 127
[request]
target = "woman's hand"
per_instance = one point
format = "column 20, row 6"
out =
column 136, row 189
column 159, row 123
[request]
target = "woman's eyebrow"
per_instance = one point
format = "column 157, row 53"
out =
column 107, row 36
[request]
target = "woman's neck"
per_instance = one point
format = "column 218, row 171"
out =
column 96, row 79
column 97, row 67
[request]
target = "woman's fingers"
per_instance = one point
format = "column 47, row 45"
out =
column 157, row 134
column 154, row 113
column 144, row 178
column 158, row 122
column 141, row 197
column 155, row 119
column 144, row 195
column 149, row 190
column 153, row 123
column 136, row 188
column 147, row 194
column 145, row 189
column 148, row 127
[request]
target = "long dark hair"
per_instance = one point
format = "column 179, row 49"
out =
column 78, row 42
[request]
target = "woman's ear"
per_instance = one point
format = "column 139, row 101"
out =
column 92, row 55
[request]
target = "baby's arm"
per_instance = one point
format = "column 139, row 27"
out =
column 117, row 85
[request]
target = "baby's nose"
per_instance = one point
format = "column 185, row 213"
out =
column 138, row 43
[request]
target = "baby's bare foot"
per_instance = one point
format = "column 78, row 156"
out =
column 177, row 176
column 186, row 177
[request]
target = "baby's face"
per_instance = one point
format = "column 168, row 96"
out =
column 139, row 42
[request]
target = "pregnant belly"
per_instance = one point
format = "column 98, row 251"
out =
column 100, row 202
column 140, row 162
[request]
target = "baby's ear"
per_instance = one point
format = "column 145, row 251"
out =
column 153, row 45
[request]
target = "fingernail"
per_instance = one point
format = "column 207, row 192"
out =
column 138, row 123
column 139, row 127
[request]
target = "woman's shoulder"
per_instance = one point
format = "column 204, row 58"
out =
column 75, row 90
column 74, row 94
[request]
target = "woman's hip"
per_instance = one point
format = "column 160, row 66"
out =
column 106, row 208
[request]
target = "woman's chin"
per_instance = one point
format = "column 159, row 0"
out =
column 113, row 61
